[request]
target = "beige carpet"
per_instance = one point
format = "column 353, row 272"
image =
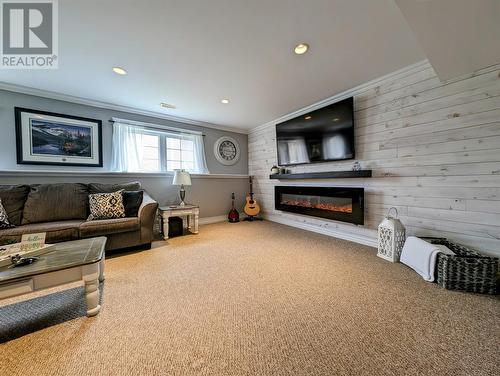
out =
column 265, row 299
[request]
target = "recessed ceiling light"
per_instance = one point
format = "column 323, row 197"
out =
column 119, row 70
column 224, row 101
column 167, row 105
column 308, row 117
column 301, row 48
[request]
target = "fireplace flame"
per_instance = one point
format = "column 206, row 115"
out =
column 320, row 205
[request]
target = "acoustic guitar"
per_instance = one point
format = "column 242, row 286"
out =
column 233, row 215
column 251, row 208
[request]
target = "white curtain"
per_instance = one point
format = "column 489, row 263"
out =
column 200, row 163
column 126, row 147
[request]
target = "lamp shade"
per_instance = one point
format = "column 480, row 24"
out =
column 181, row 177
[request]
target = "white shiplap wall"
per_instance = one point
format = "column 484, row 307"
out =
column 434, row 148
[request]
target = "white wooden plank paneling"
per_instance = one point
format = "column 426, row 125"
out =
column 434, row 148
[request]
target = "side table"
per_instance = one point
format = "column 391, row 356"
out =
column 191, row 212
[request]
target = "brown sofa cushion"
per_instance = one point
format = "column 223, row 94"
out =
column 13, row 199
column 56, row 202
column 56, row 231
column 108, row 226
column 109, row 188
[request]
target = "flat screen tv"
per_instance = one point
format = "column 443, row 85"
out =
column 322, row 135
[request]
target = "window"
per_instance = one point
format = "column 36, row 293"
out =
column 180, row 154
column 149, row 152
column 147, row 149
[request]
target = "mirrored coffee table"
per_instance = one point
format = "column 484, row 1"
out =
column 69, row 262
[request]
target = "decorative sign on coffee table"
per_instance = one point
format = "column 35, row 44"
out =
column 227, row 150
column 31, row 245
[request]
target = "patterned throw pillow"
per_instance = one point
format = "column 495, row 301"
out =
column 4, row 219
column 106, row 206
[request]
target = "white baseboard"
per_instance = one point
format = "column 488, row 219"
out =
column 370, row 241
column 208, row 220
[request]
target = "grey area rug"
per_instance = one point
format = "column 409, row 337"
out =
column 19, row 319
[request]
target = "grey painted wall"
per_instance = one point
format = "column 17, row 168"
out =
column 213, row 194
column 9, row 100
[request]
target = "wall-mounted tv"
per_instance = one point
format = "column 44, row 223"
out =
column 322, row 135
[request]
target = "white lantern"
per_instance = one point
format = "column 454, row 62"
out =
column 391, row 237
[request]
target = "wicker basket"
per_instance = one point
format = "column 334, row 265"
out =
column 466, row 270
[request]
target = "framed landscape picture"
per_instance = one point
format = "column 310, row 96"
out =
column 56, row 139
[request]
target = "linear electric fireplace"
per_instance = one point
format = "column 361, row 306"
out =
column 340, row 204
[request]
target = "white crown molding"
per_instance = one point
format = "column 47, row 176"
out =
column 370, row 241
column 343, row 95
column 110, row 106
column 208, row 220
column 108, row 174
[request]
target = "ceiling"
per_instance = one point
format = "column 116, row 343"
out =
column 458, row 36
column 193, row 53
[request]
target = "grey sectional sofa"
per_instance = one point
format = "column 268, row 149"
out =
column 61, row 211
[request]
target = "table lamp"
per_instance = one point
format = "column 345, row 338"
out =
column 182, row 178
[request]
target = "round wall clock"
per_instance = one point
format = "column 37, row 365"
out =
column 227, row 150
